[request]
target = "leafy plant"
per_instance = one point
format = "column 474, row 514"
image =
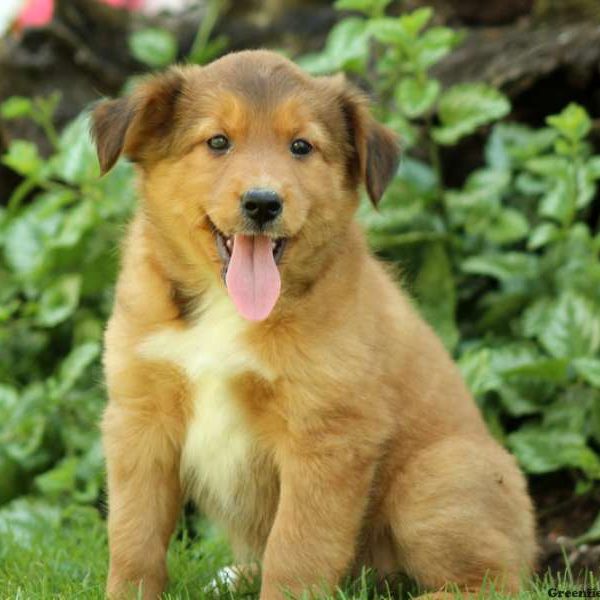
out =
column 58, row 237
column 538, row 316
column 59, row 232
column 158, row 48
column 505, row 268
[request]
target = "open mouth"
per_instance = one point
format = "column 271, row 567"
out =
column 225, row 247
column 250, row 271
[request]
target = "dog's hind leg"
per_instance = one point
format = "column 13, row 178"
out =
column 460, row 514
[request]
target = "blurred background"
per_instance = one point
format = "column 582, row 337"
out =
column 492, row 223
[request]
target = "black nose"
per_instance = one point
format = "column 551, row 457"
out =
column 261, row 205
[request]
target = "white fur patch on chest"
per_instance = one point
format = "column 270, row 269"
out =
column 219, row 446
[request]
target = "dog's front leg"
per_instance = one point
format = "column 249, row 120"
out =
column 144, row 499
column 323, row 500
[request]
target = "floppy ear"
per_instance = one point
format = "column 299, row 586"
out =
column 376, row 152
column 136, row 125
column 110, row 121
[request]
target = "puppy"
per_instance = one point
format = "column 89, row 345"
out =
column 262, row 362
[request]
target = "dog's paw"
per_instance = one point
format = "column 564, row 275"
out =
column 227, row 578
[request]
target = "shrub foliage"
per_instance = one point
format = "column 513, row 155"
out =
column 505, row 268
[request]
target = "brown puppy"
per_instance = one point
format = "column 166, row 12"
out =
column 262, row 362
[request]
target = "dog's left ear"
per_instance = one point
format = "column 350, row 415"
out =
column 375, row 148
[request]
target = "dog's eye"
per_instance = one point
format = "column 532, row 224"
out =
column 300, row 147
column 219, row 143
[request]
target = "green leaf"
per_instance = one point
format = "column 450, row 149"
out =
column 571, row 262
column 501, row 306
column 564, row 147
column 74, row 365
column 418, row 176
column 478, row 205
column 516, row 403
column 25, row 518
column 494, row 181
column 502, row 266
column 571, row 326
column 536, row 316
column 154, row 47
column 544, row 369
column 512, row 144
column 586, row 187
column 390, row 31
column 59, row 301
column 8, row 400
column 416, row 96
column 398, row 240
column 433, row 45
column 548, row 166
column 90, row 469
column 507, row 227
column 76, row 161
column 368, row 7
column 436, row 291
column 16, row 107
column 558, row 203
column 571, row 411
column 400, row 31
column 514, row 354
column 23, row 158
column 497, row 148
column 116, row 193
column 573, row 122
column 593, row 167
column 414, row 22
column 346, row 49
column 530, row 186
column 408, row 133
column 26, row 241
column 79, row 220
column 504, row 361
column 13, row 481
column 543, row 451
column 60, row 479
column 465, row 107
column 588, row 369
column 476, row 368
column 25, row 440
column 542, row 234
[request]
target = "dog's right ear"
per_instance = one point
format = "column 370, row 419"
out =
column 137, row 125
column 110, row 121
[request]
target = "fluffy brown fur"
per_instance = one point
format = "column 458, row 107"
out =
column 337, row 433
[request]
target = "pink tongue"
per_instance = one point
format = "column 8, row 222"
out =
column 252, row 278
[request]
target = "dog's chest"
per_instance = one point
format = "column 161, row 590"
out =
column 220, row 450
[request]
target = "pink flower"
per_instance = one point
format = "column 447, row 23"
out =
column 127, row 4
column 37, row 13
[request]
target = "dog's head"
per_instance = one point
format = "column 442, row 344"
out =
column 250, row 167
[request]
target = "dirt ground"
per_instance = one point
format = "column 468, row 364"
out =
column 563, row 516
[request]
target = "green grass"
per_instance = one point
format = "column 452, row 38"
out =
column 49, row 554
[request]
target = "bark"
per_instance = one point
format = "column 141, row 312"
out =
column 515, row 58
